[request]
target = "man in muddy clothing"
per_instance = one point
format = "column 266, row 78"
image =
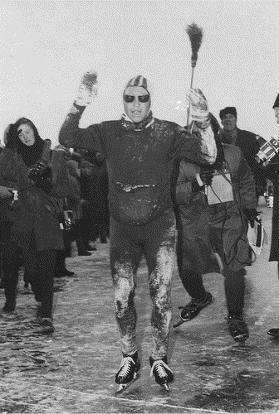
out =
column 139, row 151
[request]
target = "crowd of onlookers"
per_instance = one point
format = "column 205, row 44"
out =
column 50, row 199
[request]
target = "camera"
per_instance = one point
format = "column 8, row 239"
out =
column 66, row 220
column 267, row 151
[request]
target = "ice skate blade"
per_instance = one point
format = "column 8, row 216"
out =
column 180, row 322
column 123, row 387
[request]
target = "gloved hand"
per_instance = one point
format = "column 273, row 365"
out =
column 206, row 175
column 251, row 214
column 198, row 105
column 87, row 89
column 41, row 175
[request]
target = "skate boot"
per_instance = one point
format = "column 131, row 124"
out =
column 128, row 372
column 238, row 328
column 274, row 332
column 162, row 373
column 46, row 325
column 193, row 308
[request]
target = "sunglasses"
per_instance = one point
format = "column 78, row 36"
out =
column 131, row 98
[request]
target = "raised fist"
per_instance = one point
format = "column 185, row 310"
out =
column 87, row 89
column 198, row 105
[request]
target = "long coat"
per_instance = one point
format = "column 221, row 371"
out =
column 204, row 229
column 272, row 172
column 34, row 216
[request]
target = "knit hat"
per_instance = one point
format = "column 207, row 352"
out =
column 139, row 80
column 228, row 110
column 276, row 103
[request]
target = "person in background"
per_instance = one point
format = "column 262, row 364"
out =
column 38, row 174
column 71, row 205
column 139, row 151
column 212, row 235
column 247, row 141
column 95, row 190
column 272, row 172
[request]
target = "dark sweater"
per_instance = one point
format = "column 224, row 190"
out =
column 139, row 162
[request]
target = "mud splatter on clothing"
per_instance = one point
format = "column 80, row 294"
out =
column 155, row 241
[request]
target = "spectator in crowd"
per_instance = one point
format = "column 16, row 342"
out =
column 86, row 224
column 139, row 151
column 75, row 203
column 10, row 252
column 38, row 174
column 95, row 190
column 272, row 172
column 211, row 233
column 248, row 142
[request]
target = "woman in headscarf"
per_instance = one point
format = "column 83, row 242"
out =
column 39, row 176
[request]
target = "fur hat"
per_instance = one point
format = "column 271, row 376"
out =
column 140, row 81
column 228, row 110
column 276, row 103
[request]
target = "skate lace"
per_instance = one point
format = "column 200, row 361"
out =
column 159, row 366
column 125, row 366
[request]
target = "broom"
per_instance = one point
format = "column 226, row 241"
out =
column 195, row 34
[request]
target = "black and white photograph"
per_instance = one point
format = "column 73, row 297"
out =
column 139, row 206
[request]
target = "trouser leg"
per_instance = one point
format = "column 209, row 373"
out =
column 81, row 239
column 234, row 291
column 160, row 257
column 30, row 262
column 46, row 264
column 60, row 262
column 193, row 248
column 125, row 255
column 193, row 284
column 10, row 270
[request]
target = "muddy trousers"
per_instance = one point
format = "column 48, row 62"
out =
column 234, row 284
column 155, row 241
column 40, row 267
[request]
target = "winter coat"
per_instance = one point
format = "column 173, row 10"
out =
column 95, row 192
column 204, row 228
column 272, row 172
column 34, row 216
column 250, row 143
column 74, row 196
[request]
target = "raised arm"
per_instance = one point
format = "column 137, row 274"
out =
column 70, row 134
column 196, row 143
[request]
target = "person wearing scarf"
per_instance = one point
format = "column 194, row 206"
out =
column 139, row 151
column 33, row 224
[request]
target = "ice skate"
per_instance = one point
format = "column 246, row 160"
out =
column 193, row 308
column 128, row 372
column 238, row 328
column 162, row 373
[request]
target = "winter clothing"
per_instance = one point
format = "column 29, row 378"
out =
column 272, row 173
column 139, row 162
column 228, row 110
column 204, row 229
column 33, row 218
column 249, row 143
column 140, row 81
column 94, row 188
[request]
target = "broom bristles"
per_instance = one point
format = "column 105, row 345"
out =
column 195, row 34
